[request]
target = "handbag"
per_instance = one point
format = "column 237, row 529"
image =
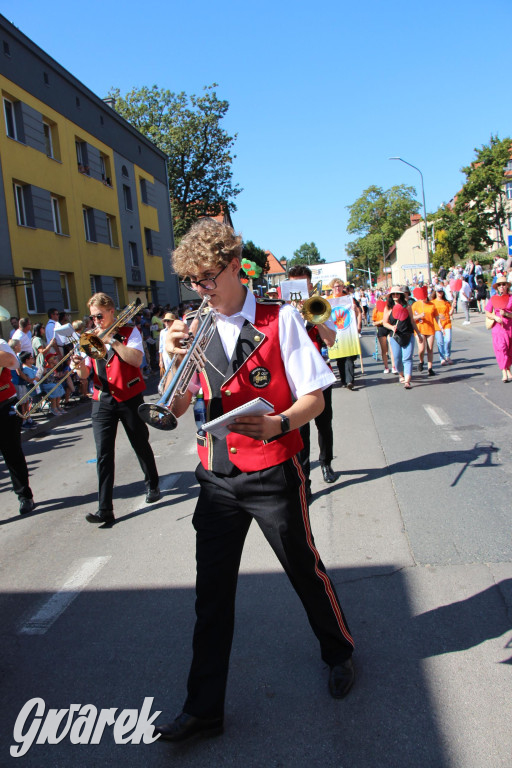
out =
column 489, row 323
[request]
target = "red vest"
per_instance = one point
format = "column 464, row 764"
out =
column 7, row 388
column 244, row 452
column 124, row 380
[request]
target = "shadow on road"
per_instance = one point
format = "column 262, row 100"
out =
column 481, row 453
column 113, row 648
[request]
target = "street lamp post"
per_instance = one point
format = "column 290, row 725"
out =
column 424, row 211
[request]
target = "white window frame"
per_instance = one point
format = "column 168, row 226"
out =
column 133, row 250
column 508, row 190
column 30, row 294
column 94, row 287
column 57, row 221
column 127, row 192
column 509, row 222
column 19, row 200
column 87, row 227
column 64, row 287
column 115, row 292
column 47, row 129
column 11, row 119
column 79, row 155
column 109, row 231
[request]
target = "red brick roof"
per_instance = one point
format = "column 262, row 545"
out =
column 274, row 267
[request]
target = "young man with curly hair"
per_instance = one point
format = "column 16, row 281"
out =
column 258, row 349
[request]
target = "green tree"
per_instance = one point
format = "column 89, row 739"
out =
column 307, row 253
column 481, row 204
column 199, row 150
column 251, row 252
column 450, row 236
column 379, row 218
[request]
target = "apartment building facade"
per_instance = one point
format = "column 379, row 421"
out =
column 84, row 199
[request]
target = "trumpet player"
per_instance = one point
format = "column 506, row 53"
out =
column 257, row 349
column 10, row 431
column 118, row 386
column 322, row 335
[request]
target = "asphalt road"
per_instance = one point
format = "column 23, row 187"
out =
column 416, row 535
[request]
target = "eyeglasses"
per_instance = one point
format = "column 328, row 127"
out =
column 96, row 317
column 207, row 283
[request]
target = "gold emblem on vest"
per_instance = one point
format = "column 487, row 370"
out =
column 260, row 377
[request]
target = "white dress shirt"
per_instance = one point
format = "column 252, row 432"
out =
column 306, row 370
column 25, row 340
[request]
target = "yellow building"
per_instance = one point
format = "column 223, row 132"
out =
column 84, row 200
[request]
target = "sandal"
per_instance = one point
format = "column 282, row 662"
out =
column 407, row 385
column 401, row 380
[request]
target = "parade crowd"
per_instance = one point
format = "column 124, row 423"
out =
column 261, row 470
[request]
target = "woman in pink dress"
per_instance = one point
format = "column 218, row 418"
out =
column 500, row 310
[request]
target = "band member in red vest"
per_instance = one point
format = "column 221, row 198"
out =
column 322, row 335
column 118, row 386
column 258, row 349
column 10, row 430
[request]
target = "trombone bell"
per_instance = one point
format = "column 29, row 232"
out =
column 158, row 416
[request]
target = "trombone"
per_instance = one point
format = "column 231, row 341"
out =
column 159, row 415
column 88, row 343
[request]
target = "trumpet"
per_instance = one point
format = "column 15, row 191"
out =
column 160, row 415
column 316, row 310
column 88, row 343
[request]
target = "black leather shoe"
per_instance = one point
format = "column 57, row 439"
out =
column 341, row 679
column 328, row 474
column 185, row 726
column 26, row 505
column 152, row 495
column 431, row 372
column 420, row 366
column 100, row 517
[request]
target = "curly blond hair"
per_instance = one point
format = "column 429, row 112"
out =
column 208, row 244
column 336, row 281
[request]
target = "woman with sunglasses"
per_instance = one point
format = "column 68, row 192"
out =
column 402, row 337
column 118, row 387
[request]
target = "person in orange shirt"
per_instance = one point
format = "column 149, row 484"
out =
column 424, row 313
column 443, row 325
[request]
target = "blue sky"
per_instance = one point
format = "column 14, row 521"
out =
column 321, row 94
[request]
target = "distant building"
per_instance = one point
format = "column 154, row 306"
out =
column 408, row 257
column 84, row 199
column 276, row 272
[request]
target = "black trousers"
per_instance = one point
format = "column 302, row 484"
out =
column 106, row 414
column 323, row 423
column 10, row 447
column 276, row 499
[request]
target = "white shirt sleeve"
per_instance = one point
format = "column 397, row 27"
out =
column 4, row 347
column 306, row 370
column 135, row 340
